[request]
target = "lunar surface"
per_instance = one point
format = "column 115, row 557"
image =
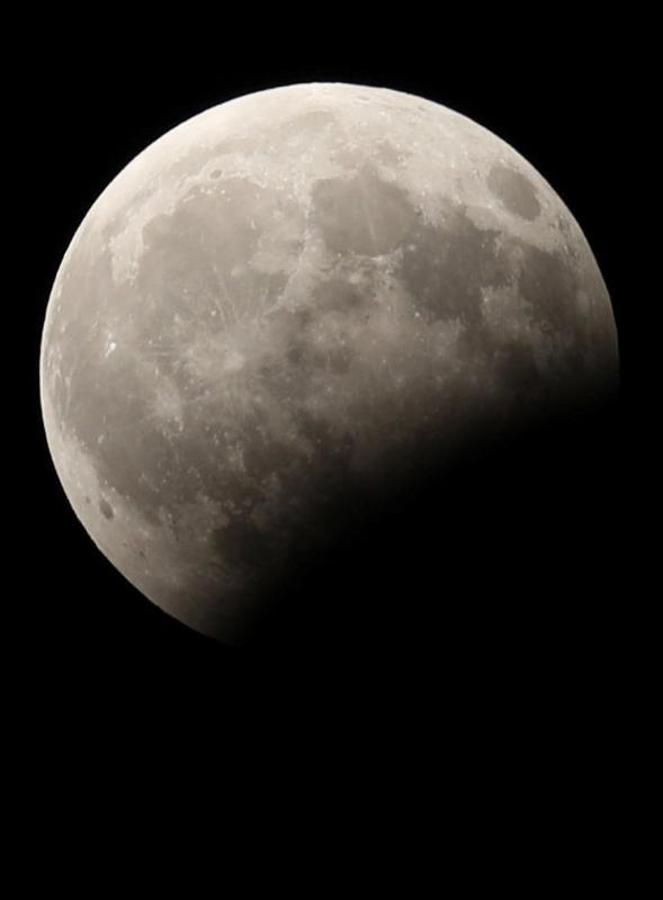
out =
column 287, row 303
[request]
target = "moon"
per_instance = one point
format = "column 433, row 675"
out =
column 288, row 303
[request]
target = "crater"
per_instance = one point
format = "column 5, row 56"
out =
column 106, row 508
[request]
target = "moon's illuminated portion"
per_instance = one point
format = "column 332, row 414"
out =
column 282, row 302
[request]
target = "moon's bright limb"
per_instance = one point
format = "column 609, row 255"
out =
column 285, row 298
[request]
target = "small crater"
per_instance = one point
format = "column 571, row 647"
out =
column 106, row 508
column 215, row 173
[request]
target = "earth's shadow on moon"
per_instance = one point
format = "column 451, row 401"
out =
column 496, row 562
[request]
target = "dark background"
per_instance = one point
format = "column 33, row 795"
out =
column 494, row 605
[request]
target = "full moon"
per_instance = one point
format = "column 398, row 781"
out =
column 288, row 304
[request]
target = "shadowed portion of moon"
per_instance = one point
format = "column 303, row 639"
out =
column 285, row 311
column 487, row 568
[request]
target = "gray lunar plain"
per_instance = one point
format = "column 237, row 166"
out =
column 282, row 304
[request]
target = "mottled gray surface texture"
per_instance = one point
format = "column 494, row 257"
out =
column 286, row 300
